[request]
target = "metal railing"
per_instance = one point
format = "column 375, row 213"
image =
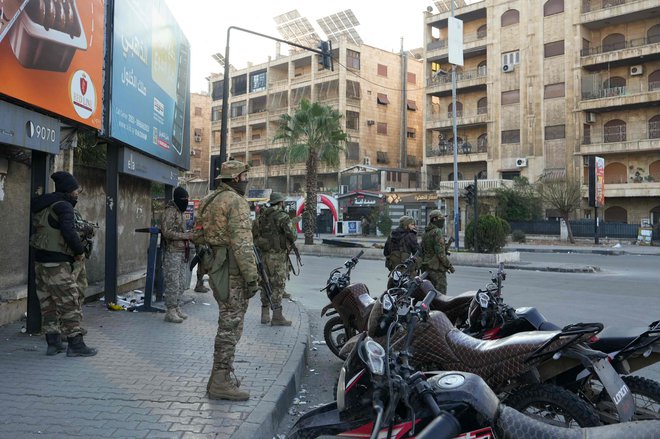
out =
column 447, row 148
column 637, row 42
column 625, row 133
column 438, row 79
column 595, row 5
column 445, row 5
column 484, row 185
column 583, row 228
column 460, row 114
column 626, row 90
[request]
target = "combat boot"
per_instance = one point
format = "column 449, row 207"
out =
column 223, row 387
column 278, row 318
column 55, row 345
column 172, row 317
column 78, row 348
column 180, row 313
column 236, row 381
column 265, row 315
column 200, row 288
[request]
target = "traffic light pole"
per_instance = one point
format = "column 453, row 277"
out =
column 325, row 51
column 476, row 213
column 457, row 212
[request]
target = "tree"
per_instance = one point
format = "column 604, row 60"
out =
column 563, row 194
column 518, row 203
column 313, row 133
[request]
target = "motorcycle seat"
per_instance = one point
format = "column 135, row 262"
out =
column 612, row 339
column 446, row 303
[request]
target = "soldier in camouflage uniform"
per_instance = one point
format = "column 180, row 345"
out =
column 176, row 243
column 59, row 267
column 273, row 234
column 402, row 243
column 224, row 226
column 434, row 252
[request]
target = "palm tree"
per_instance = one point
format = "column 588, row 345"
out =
column 312, row 134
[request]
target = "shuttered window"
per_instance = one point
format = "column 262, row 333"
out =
column 555, row 132
column 554, row 91
column 553, row 49
column 510, row 97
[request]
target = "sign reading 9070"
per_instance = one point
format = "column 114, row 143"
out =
column 150, row 100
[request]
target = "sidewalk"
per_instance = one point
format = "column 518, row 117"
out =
column 149, row 377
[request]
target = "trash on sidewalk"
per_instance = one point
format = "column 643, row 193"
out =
column 318, row 342
column 127, row 302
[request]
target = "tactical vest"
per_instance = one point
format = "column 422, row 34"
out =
column 267, row 234
column 200, row 221
column 429, row 255
column 46, row 236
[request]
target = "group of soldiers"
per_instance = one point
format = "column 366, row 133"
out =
column 227, row 244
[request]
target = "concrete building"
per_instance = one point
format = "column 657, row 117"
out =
column 378, row 93
column 197, row 178
column 545, row 85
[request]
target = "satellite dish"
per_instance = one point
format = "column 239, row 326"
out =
column 429, row 9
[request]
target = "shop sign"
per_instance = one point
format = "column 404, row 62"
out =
column 28, row 129
column 364, row 201
column 429, row 196
column 139, row 165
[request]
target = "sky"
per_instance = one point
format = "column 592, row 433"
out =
column 204, row 22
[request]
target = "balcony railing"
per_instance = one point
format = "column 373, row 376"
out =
column 437, row 115
column 637, row 42
column 445, row 5
column 439, row 79
column 624, row 133
column 467, row 38
column 447, row 148
column 483, row 185
column 595, row 5
column 626, row 90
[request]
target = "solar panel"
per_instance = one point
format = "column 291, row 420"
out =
column 292, row 27
column 341, row 23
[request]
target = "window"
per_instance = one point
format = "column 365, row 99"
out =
column 511, row 57
column 238, row 109
column 614, row 42
column 352, row 120
column 381, row 157
column 258, row 81
column 553, row 49
column 411, row 133
column 654, row 127
column 554, row 91
column 382, row 99
column 412, row 78
column 554, row 132
column 239, row 85
column 352, row 89
column 198, row 111
column 459, row 109
column 482, row 106
column 653, row 34
column 614, row 131
column 216, row 93
column 381, row 128
column 352, row 59
column 482, row 32
column 352, row 151
column 654, row 80
column 411, row 105
column 382, row 70
column 510, row 97
column 482, row 68
column 512, row 16
column 511, row 136
column 198, row 132
column 552, row 7
column 216, row 113
column 510, row 175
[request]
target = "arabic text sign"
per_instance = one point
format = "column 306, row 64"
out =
column 150, row 81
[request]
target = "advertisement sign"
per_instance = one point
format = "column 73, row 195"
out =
column 51, row 56
column 596, row 181
column 139, row 165
column 29, row 129
column 150, row 79
column 455, row 41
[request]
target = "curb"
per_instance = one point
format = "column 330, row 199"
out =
column 263, row 421
column 568, row 250
column 558, row 269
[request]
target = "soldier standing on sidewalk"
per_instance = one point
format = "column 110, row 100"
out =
column 402, row 243
column 176, row 253
column 59, row 267
column 434, row 252
column 273, row 234
column 224, row 225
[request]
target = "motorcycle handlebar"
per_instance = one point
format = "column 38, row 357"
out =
column 516, row 425
column 354, row 260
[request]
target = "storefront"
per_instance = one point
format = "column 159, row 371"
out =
column 326, row 214
column 415, row 204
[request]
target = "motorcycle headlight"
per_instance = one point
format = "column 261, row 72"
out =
column 373, row 355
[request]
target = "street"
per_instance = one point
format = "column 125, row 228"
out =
column 624, row 293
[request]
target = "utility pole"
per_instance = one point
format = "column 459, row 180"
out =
column 455, row 37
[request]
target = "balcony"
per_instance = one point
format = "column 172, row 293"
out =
column 628, row 190
column 441, row 84
column 615, row 53
column 297, row 80
column 257, row 144
column 463, row 118
column 472, row 42
column 623, row 140
column 467, row 152
column 486, row 187
column 461, row 7
column 642, row 93
column 258, row 116
column 601, row 13
column 280, row 85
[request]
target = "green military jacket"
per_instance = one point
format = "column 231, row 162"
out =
column 434, row 251
column 273, row 231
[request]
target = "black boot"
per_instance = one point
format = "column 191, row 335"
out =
column 55, row 345
column 77, row 348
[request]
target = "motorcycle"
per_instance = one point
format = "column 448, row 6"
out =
column 381, row 395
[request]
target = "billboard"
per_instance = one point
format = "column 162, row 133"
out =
column 51, row 56
column 150, row 98
column 596, row 181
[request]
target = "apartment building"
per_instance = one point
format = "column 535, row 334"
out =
column 378, row 93
column 545, row 85
column 197, row 178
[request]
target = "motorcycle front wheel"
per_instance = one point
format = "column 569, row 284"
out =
column 553, row 405
column 336, row 335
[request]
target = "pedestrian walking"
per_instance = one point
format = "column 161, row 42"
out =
column 402, row 243
column 434, row 252
column 60, row 266
column 224, row 226
column 176, row 253
column 273, row 234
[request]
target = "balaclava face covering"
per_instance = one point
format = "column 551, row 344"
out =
column 180, row 198
column 238, row 186
column 440, row 222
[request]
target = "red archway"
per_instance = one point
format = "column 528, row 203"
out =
column 324, row 200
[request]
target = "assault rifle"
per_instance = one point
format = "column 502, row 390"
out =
column 86, row 232
column 265, row 281
column 293, row 248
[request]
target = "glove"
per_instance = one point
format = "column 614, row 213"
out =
column 252, row 289
column 451, row 269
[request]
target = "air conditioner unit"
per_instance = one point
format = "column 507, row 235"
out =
column 343, row 189
column 198, row 138
column 370, row 122
column 508, row 68
column 366, row 161
column 389, row 189
column 636, row 70
column 591, row 117
column 521, row 162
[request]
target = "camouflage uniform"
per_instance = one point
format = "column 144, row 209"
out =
column 224, row 225
column 401, row 244
column 176, row 245
column 273, row 233
column 434, row 256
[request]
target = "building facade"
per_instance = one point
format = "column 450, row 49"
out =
column 544, row 86
column 197, row 177
column 378, row 93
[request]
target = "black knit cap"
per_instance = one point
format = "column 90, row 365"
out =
column 64, row 182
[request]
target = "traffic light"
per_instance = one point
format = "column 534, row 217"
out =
column 470, row 193
column 326, row 57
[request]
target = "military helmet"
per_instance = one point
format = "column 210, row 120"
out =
column 276, row 197
column 406, row 220
column 436, row 214
column 232, row 169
